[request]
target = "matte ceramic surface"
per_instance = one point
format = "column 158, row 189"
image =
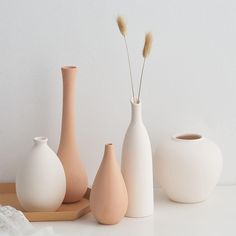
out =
column 137, row 166
column 109, row 198
column 213, row 218
column 188, row 167
column 41, row 183
column 76, row 177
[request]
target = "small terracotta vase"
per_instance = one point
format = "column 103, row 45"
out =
column 76, row 178
column 108, row 197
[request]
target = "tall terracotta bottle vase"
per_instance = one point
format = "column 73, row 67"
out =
column 76, row 178
column 109, row 197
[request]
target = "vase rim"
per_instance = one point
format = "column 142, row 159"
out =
column 40, row 139
column 135, row 102
column 108, row 144
column 69, row 67
column 109, row 147
column 187, row 137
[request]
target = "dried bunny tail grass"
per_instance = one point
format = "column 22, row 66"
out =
column 146, row 52
column 123, row 30
column 147, row 45
column 122, row 26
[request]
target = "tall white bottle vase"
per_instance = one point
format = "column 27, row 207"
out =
column 136, row 166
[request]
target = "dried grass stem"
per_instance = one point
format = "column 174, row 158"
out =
column 130, row 71
column 141, row 79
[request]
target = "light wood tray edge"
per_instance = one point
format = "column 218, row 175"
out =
column 11, row 188
column 68, row 215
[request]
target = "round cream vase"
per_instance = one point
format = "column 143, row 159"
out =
column 188, row 167
column 41, row 181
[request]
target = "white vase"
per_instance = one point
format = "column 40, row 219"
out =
column 136, row 166
column 41, row 182
column 188, row 167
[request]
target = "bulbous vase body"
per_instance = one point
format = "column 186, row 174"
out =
column 76, row 177
column 188, row 167
column 108, row 197
column 41, row 182
column 136, row 166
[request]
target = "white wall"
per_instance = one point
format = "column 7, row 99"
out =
column 189, row 83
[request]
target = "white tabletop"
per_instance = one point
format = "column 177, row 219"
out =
column 216, row 216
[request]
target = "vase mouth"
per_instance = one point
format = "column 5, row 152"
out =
column 109, row 147
column 108, row 144
column 187, row 137
column 69, row 67
column 135, row 102
column 40, row 139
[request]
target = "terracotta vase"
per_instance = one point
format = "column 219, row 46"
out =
column 108, row 197
column 76, row 178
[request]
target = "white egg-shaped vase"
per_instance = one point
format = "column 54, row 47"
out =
column 41, row 182
column 136, row 166
column 188, row 167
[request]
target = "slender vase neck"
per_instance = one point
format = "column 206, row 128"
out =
column 109, row 150
column 40, row 141
column 136, row 109
column 68, row 129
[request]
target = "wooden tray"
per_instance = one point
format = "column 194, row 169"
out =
column 65, row 212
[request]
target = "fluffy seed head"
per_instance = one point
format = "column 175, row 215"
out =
column 122, row 26
column 147, row 45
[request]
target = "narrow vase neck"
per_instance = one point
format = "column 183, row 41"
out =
column 40, row 140
column 109, row 154
column 136, row 109
column 109, row 150
column 68, row 129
